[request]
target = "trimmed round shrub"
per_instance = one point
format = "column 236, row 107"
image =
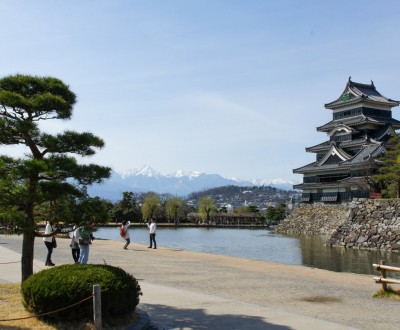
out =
column 62, row 286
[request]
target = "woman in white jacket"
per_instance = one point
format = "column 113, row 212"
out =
column 48, row 241
column 74, row 245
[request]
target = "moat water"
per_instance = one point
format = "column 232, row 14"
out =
column 262, row 244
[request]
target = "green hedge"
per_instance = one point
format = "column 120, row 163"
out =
column 62, row 286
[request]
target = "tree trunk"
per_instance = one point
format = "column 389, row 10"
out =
column 28, row 243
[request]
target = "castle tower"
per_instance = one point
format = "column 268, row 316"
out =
column 362, row 122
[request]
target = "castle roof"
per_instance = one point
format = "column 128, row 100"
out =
column 337, row 159
column 360, row 93
column 359, row 120
column 324, row 146
column 347, row 182
column 376, row 136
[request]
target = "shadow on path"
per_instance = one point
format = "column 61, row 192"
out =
column 166, row 317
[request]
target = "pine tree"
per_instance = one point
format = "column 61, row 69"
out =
column 389, row 168
column 46, row 170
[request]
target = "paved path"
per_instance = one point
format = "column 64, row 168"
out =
column 187, row 290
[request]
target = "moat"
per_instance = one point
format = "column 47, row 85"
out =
column 262, row 244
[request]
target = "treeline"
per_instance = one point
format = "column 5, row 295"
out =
column 142, row 207
column 165, row 208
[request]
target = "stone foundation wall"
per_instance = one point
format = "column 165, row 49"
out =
column 320, row 219
column 363, row 223
column 372, row 224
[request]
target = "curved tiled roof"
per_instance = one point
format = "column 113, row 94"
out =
column 313, row 167
column 342, row 127
column 357, row 121
column 357, row 92
column 324, row 146
column 367, row 154
column 387, row 130
column 320, row 147
column 354, row 143
column 334, row 151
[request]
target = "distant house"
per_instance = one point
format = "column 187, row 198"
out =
column 362, row 122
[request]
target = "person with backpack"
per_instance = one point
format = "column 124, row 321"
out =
column 124, row 233
column 84, row 236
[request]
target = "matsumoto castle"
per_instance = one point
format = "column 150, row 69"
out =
column 362, row 122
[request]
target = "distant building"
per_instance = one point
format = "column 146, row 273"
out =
column 362, row 122
column 229, row 208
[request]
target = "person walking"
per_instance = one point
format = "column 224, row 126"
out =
column 152, row 228
column 74, row 245
column 84, row 236
column 48, row 241
column 124, row 232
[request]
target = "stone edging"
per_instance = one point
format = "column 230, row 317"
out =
column 363, row 223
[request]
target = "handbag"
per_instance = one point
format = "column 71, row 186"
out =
column 83, row 241
column 54, row 242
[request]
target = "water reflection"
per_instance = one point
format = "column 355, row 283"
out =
column 262, row 244
column 316, row 254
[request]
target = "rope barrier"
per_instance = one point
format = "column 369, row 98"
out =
column 11, row 262
column 56, row 311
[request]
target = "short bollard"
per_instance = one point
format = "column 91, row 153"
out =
column 97, row 307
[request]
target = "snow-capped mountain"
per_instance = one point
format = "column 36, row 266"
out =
column 180, row 183
column 277, row 183
column 145, row 171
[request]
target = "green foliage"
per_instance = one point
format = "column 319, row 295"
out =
column 42, row 96
column 73, row 210
column 205, row 206
column 253, row 209
column 389, row 171
column 241, row 210
column 270, row 213
column 151, row 207
column 275, row 214
column 93, row 209
column 280, row 212
column 175, row 208
column 58, row 287
column 388, row 293
column 127, row 209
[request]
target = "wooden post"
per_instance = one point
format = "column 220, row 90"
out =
column 97, row 307
column 384, row 284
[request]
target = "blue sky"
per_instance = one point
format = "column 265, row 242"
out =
column 218, row 86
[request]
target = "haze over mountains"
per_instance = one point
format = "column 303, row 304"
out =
column 180, row 183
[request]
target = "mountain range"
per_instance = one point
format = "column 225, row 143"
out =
column 180, row 183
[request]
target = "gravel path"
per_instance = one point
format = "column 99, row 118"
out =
column 336, row 297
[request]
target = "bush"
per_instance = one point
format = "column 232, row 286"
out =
column 62, row 286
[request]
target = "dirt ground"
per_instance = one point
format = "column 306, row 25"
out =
column 342, row 298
